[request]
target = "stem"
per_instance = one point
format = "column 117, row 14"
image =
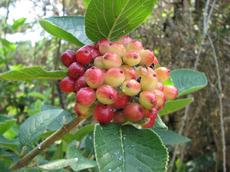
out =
column 46, row 143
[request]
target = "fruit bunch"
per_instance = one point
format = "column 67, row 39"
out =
column 117, row 82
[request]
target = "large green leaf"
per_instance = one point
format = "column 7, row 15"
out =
column 32, row 73
column 127, row 149
column 6, row 122
column 170, row 137
column 114, row 18
column 69, row 28
column 175, row 105
column 37, row 124
column 188, row 81
column 83, row 163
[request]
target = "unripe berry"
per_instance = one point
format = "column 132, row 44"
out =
column 131, row 87
column 106, row 94
column 117, row 48
column 162, row 73
column 86, row 96
column 111, row 60
column 80, row 83
column 147, row 99
column 103, row 113
column 148, row 82
column 132, row 58
column 68, row 57
column 170, row 92
column 81, row 110
column 94, row 77
column 75, row 70
column 134, row 112
column 134, row 45
column 147, row 57
column 125, row 40
column 160, row 86
column 121, row 101
column 161, row 99
column 114, row 77
column 84, row 55
column 103, row 45
column 67, row 85
column 98, row 62
column 129, row 72
column 119, row 117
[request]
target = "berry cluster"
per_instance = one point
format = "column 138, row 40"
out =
column 117, row 82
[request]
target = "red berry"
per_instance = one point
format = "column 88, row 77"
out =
column 67, row 85
column 119, row 117
column 75, row 70
column 94, row 77
column 79, row 83
column 68, row 57
column 150, row 118
column 84, row 55
column 86, row 96
column 103, row 113
column 121, row 101
column 134, row 112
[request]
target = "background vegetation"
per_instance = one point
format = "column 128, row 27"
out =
column 182, row 33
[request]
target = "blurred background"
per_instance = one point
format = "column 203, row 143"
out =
column 183, row 34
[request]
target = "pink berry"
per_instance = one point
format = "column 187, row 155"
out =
column 98, row 62
column 75, row 70
column 121, row 101
column 132, row 58
column 106, row 94
column 131, row 87
column 80, row 83
column 117, row 48
column 67, row 85
column 86, row 96
column 114, row 77
column 162, row 73
column 68, row 57
column 147, row 57
column 111, row 60
column 134, row 45
column 130, row 72
column 170, row 92
column 148, row 82
column 125, row 40
column 84, row 55
column 103, row 45
column 103, row 113
column 94, row 77
column 159, row 86
column 134, row 112
column 161, row 99
column 147, row 99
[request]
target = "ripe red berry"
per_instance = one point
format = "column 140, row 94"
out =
column 86, row 96
column 75, row 70
column 150, row 118
column 119, row 117
column 121, row 101
column 67, row 85
column 68, row 57
column 84, row 55
column 94, row 77
column 103, row 113
column 134, row 112
column 79, row 83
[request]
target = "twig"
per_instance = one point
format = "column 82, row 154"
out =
column 46, row 143
column 220, row 96
column 206, row 18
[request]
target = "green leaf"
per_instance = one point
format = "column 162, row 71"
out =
column 127, row 149
column 83, row 163
column 58, row 164
column 159, row 124
column 37, row 124
column 82, row 132
column 9, row 144
column 8, row 45
column 86, row 3
column 112, row 19
column 69, row 28
column 32, row 73
column 188, row 81
column 175, row 105
column 171, row 138
column 6, row 123
column 17, row 23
